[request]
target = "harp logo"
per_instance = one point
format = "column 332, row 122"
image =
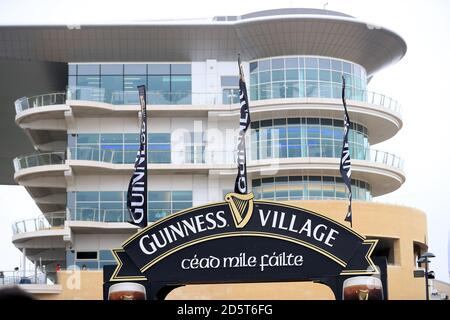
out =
column 241, row 206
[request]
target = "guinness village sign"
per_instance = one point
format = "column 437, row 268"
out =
column 241, row 240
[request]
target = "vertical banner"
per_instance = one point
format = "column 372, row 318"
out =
column 137, row 188
column 345, row 166
column 241, row 184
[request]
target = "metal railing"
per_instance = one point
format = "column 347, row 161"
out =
column 48, row 99
column 326, row 151
column 109, row 215
column 97, row 215
column 17, row 277
column 215, row 157
column 131, row 97
column 39, row 159
column 154, row 156
column 55, row 221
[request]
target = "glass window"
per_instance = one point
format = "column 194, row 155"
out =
column 131, row 95
column 324, row 63
column 324, row 75
column 311, row 63
column 291, row 63
column 311, row 74
column 106, row 255
column 182, row 196
column 72, row 71
column 181, row 68
column 277, row 63
column 159, row 148
column 292, row 89
column 264, row 77
column 159, row 89
column 87, row 138
column 88, row 69
column 135, row 69
column 230, row 96
column 312, row 89
column 86, row 264
column 88, row 88
column 253, row 67
column 111, row 196
column 336, row 65
column 278, row 75
column 111, row 69
column 347, row 67
column 278, row 90
column 159, row 69
column 87, row 196
column 292, row 75
column 113, row 88
column 181, row 89
column 264, row 65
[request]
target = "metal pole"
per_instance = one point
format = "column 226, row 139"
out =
column 24, row 261
column 426, row 280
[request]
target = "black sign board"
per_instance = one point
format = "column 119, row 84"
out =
column 242, row 240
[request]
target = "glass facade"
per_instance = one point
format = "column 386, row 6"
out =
column 122, row 147
column 167, row 83
column 306, row 137
column 110, row 206
column 90, row 260
column 306, row 76
column 308, row 188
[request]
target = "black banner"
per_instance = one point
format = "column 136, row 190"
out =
column 137, row 188
column 345, row 166
column 241, row 183
column 242, row 240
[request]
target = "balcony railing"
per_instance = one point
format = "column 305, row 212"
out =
column 97, row 215
column 214, row 157
column 154, row 156
column 18, row 278
column 39, row 159
column 42, row 100
column 190, row 98
column 326, row 151
column 55, row 221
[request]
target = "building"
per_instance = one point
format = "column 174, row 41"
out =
column 80, row 112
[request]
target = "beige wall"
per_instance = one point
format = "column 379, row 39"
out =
column 77, row 285
column 408, row 225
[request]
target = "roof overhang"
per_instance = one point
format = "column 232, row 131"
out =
column 370, row 46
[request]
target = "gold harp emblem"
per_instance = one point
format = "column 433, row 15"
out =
column 241, row 206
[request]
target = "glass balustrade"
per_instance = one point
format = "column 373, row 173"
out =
column 229, row 97
column 54, row 221
column 207, row 157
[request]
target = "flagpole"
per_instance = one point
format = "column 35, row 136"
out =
column 137, row 188
column 345, row 167
column 241, row 183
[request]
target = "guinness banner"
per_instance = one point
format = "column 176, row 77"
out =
column 242, row 240
column 137, row 187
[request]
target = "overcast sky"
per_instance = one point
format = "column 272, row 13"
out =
column 420, row 82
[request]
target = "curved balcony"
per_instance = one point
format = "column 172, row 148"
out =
column 228, row 97
column 38, row 159
column 216, row 157
column 382, row 170
column 55, row 221
column 48, row 99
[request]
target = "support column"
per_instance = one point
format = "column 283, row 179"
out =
column 24, row 261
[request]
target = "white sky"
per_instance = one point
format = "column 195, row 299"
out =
column 420, row 82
